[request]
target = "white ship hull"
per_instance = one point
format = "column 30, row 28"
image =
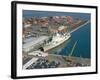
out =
column 57, row 40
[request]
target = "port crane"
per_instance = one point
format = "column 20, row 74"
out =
column 73, row 48
column 71, row 53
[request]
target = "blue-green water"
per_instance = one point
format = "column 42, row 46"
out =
column 32, row 13
column 82, row 35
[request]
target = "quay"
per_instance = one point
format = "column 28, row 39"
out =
column 67, row 61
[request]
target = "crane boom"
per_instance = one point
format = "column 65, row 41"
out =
column 73, row 49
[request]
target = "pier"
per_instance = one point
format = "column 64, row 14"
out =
column 79, row 27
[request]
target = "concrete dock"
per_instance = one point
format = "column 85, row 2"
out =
column 69, row 61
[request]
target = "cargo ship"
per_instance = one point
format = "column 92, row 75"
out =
column 56, row 41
